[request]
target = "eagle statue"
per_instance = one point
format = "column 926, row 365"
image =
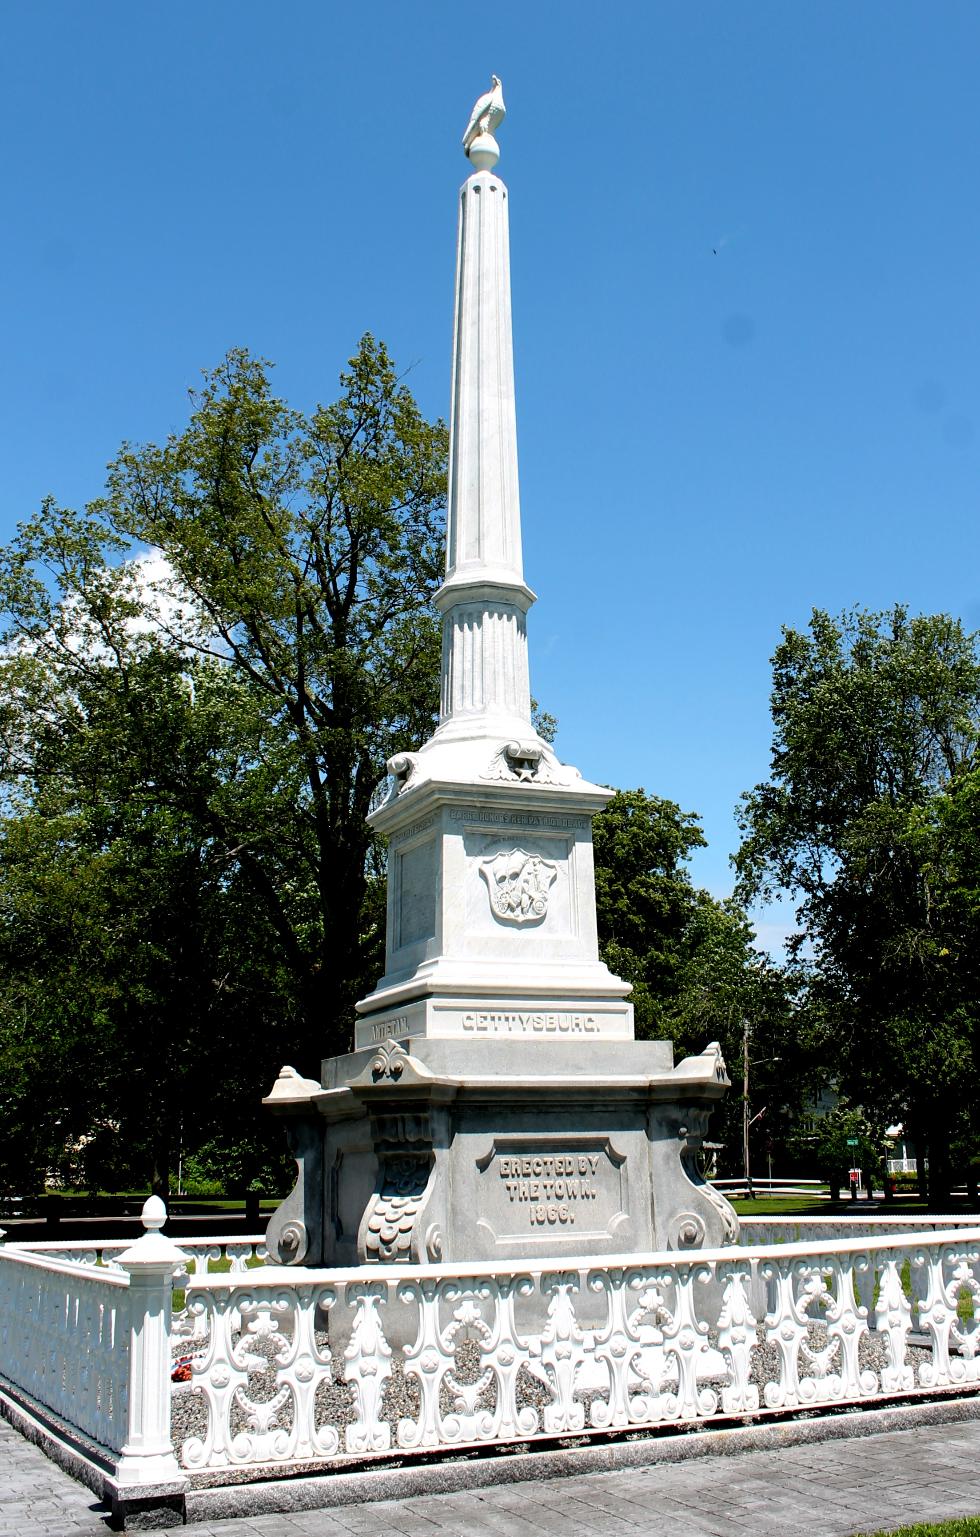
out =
column 487, row 115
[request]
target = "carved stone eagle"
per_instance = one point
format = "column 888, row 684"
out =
column 487, row 115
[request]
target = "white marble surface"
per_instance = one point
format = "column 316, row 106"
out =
column 491, row 888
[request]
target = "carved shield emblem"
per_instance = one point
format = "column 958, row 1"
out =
column 519, row 884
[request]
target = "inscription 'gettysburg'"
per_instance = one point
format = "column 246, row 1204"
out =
column 553, row 1187
column 532, row 1024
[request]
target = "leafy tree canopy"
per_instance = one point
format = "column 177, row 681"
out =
column 190, row 740
column 869, row 819
column 301, row 553
column 691, row 960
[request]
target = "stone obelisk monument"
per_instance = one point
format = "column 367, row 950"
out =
column 496, row 1103
column 491, row 899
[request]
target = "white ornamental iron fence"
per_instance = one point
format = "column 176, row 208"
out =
column 233, row 1256
column 85, row 1353
column 827, row 1230
column 293, row 1367
column 198, row 1255
column 526, row 1352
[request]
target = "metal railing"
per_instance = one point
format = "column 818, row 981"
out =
column 294, row 1367
column 85, row 1349
column 733, row 1189
column 529, row 1352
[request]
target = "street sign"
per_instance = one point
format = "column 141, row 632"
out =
column 853, row 1141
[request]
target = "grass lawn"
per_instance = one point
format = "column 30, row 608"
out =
column 188, row 1203
column 781, row 1206
column 215, row 1267
column 803, row 1206
column 963, row 1526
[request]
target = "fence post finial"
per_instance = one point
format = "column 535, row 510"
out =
column 147, row 1455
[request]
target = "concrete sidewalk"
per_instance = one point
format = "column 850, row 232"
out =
column 830, row 1489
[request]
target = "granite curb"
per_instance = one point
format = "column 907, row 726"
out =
column 299, row 1496
column 330, row 1491
column 811, row 1483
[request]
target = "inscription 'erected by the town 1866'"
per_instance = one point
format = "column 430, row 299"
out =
column 540, row 1191
column 553, row 1186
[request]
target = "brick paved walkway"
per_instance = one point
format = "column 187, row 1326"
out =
column 832, row 1489
column 36, row 1498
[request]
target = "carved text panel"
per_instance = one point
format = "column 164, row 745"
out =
column 555, row 1187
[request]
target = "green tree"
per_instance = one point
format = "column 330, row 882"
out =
column 189, row 743
column 771, row 1038
column 138, row 977
column 841, row 1140
column 876, row 722
column 695, row 972
column 646, row 902
column 302, row 552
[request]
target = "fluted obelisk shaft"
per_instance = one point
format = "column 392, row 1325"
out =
column 484, row 599
column 484, row 526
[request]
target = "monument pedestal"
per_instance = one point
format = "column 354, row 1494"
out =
column 469, row 1150
column 491, row 902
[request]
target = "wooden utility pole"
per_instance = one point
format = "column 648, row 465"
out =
column 745, row 1107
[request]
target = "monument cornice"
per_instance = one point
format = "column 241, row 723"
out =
column 567, row 1088
column 509, row 798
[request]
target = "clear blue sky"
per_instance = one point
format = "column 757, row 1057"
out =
column 711, row 444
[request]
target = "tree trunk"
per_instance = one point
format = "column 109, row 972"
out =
column 329, row 1001
column 921, row 1174
column 939, row 1172
column 328, row 1010
column 160, row 1175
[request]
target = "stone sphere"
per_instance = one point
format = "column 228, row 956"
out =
column 484, row 152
